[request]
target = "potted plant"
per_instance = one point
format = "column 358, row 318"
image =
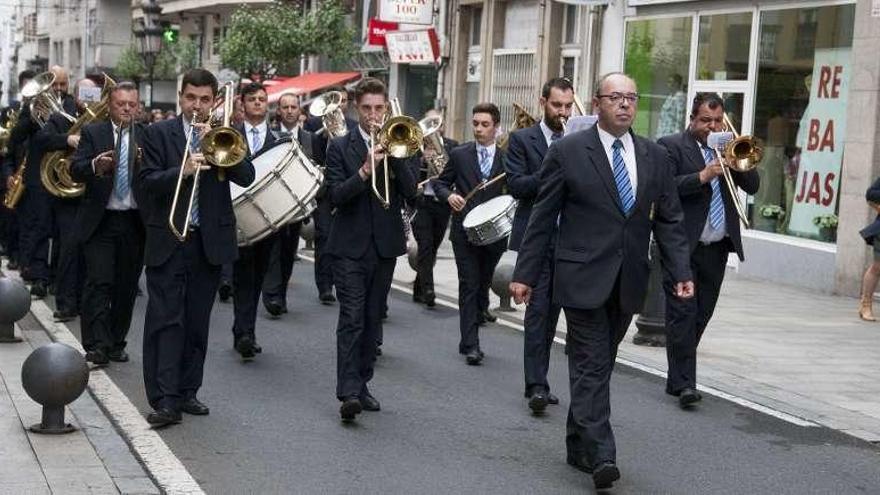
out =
column 827, row 227
column 768, row 217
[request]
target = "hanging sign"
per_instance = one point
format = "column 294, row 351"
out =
column 413, row 47
column 407, row 11
column 377, row 29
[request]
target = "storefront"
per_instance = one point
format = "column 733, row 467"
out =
column 783, row 69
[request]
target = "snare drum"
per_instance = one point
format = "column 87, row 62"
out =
column 283, row 191
column 491, row 221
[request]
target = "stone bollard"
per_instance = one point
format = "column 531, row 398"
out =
column 54, row 375
column 15, row 302
column 652, row 320
column 307, row 232
column 412, row 253
column 501, row 285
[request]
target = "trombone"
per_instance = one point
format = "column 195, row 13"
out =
column 222, row 146
column 401, row 137
column 737, row 153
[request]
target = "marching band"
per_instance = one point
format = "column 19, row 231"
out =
column 214, row 199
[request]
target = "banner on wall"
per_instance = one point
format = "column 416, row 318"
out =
column 407, row 11
column 820, row 139
column 413, row 47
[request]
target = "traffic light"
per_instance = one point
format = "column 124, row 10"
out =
column 171, row 33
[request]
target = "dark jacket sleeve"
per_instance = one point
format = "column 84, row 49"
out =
column 53, row 137
column 669, row 225
column 342, row 187
column 688, row 184
column 154, row 178
column 873, row 192
column 445, row 182
column 242, row 174
column 403, row 175
column 522, row 184
column 81, row 165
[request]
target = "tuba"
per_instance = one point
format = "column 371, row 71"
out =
column 55, row 167
column 401, row 137
column 737, row 153
column 433, row 140
column 326, row 106
column 521, row 119
column 43, row 101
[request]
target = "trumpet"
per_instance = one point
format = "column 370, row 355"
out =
column 401, row 137
column 222, row 147
column 739, row 153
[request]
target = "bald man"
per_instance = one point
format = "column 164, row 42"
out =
column 69, row 270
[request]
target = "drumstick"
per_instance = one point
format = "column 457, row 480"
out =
column 483, row 185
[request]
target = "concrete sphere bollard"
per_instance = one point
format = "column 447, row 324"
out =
column 15, row 302
column 307, row 232
column 501, row 285
column 54, row 375
column 412, row 253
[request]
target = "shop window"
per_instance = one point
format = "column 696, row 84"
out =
column 570, row 33
column 657, row 57
column 800, row 115
column 723, row 47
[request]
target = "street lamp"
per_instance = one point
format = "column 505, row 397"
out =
column 149, row 38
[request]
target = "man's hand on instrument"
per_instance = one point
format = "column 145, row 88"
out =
column 196, row 161
column 521, row 293
column 104, row 163
column 713, row 169
column 202, row 128
column 366, row 170
column 73, row 141
column 456, row 202
column 684, row 290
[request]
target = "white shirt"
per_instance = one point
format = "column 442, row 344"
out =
column 491, row 150
column 628, row 151
column 114, row 203
column 262, row 130
column 710, row 234
column 294, row 131
column 548, row 133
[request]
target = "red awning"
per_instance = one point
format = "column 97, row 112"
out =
column 307, row 83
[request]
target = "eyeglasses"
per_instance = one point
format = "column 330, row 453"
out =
column 618, row 97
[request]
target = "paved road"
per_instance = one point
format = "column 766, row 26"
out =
column 449, row 428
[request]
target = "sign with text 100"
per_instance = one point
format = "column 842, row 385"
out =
column 406, row 11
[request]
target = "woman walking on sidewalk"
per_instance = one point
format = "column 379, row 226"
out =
column 872, row 274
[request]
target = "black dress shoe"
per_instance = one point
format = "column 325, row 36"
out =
column 274, row 308
column 163, row 417
column 224, row 291
column 257, row 348
column 327, row 298
column 62, row 316
column 487, row 316
column 97, row 357
column 430, row 299
column 245, row 347
column 118, row 356
column 688, row 398
column 350, row 408
column 417, row 298
column 38, row 289
column 474, row 357
column 538, row 401
column 552, row 399
column 605, row 474
column 369, row 403
column 195, row 407
column 579, row 462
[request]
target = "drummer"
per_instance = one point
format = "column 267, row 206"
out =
column 250, row 268
column 471, row 165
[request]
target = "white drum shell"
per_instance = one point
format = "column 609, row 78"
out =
column 491, row 221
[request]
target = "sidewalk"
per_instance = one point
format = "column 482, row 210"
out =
column 794, row 351
column 92, row 460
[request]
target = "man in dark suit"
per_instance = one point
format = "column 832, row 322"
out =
column 108, row 225
column 608, row 189
column 525, row 154
column 323, row 216
column 366, row 237
column 285, row 248
column 429, row 224
column 250, row 267
column 183, row 275
column 69, row 265
column 470, row 165
column 712, row 227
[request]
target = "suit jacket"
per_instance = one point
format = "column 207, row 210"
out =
column 871, row 232
column 95, row 139
column 164, row 144
column 360, row 221
column 597, row 244
column 271, row 137
column 525, row 154
column 696, row 197
column 321, row 141
column 52, row 137
column 461, row 175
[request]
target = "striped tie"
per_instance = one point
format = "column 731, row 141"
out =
column 121, row 184
column 621, row 178
column 716, row 207
column 195, row 147
column 485, row 163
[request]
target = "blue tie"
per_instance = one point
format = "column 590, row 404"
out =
column 121, row 185
column 555, row 136
column 621, row 178
column 716, row 207
column 195, row 147
column 485, row 163
column 255, row 140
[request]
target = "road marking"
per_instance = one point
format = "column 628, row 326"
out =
column 166, row 470
column 790, row 418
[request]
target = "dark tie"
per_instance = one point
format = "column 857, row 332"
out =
column 555, row 136
column 621, row 178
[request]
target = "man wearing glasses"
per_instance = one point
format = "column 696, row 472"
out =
column 608, row 190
